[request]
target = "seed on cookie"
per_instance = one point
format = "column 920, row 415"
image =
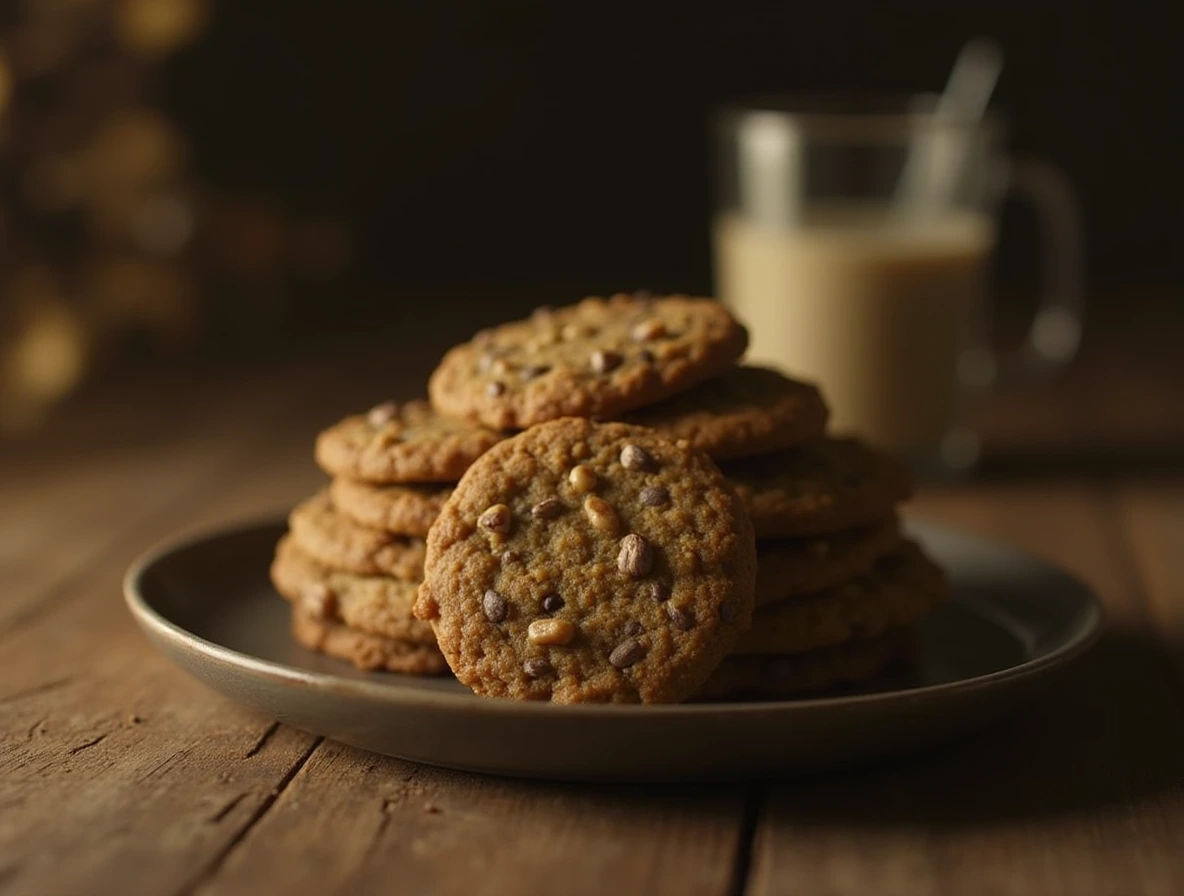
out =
column 654, row 496
column 627, row 653
column 382, row 414
column 636, row 556
column 605, row 361
column 536, row 667
column 550, row 632
column 494, row 389
column 636, row 458
column 318, row 601
column 649, row 329
column 583, row 478
column 633, row 628
column 496, row 519
column 659, row 591
column 601, row 513
column 495, row 606
column 553, row 603
column 547, row 510
column 681, row 619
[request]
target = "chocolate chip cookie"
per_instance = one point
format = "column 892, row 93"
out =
column 598, row 358
column 788, row 675
column 585, row 562
column 744, row 411
column 378, row 605
column 899, row 590
column 402, row 509
column 366, row 651
column 406, row 442
column 334, row 540
column 788, row 567
column 820, row 488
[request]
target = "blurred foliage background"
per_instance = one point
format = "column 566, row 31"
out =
column 192, row 179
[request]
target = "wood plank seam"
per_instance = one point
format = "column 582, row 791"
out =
column 212, row 868
column 754, row 805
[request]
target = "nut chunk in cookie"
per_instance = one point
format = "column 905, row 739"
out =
column 598, row 358
column 585, row 562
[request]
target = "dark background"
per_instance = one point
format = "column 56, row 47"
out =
column 547, row 144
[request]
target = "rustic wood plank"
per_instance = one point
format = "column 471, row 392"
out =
column 117, row 772
column 1083, row 795
column 356, row 822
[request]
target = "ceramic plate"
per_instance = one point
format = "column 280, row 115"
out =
column 1013, row 619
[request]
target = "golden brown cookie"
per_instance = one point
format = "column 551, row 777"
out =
column 598, row 358
column 406, row 442
column 378, row 605
column 764, row 676
column 584, row 562
column 744, row 411
column 899, row 590
column 364, row 650
column 820, row 488
column 402, row 509
column 336, row 541
column 789, row 567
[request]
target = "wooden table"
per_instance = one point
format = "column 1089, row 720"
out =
column 118, row 774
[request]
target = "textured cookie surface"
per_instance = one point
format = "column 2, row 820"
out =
column 406, row 442
column 788, row 567
column 744, row 411
column 589, row 562
column 760, row 676
column 334, row 540
column 598, row 358
column 378, row 605
column 402, row 509
column 364, row 650
column 899, row 590
column 820, row 488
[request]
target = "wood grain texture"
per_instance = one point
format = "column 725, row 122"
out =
column 356, row 822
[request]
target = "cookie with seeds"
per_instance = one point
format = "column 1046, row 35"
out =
column 402, row 509
column 378, row 605
column 744, row 411
column 406, row 442
column 334, row 540
column 820, row 488
column 371, row 653
column 598, row 358
column 585, row 562
column 898, row 591
column 789, row 567
column 760, row 676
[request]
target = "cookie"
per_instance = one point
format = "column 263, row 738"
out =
column 758, row 676
column 598, row 358
column 820, row 488
column 406, row 442
column 336, row 541
column 899, row 590
column 378, row 605
column 745, row 411
column 366, row 651
column 585, row 562
column 402, row 509
column 788, row 567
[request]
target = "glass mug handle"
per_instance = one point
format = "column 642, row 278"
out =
column 1055, row 333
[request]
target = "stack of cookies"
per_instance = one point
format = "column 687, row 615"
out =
column 587, row 561
column 353, row 558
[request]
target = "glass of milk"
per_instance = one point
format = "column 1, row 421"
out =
column 855, row 241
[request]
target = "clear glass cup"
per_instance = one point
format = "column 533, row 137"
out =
column 855, row 240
